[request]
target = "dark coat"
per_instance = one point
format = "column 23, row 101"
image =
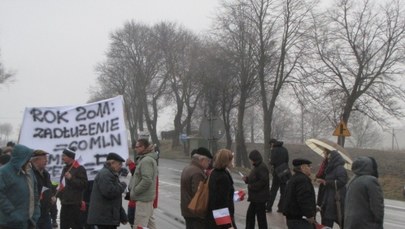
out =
column 221, row 192
column 44, row 182
column 72, row 193
column 335, row 173
column 299, row 197
column 279, row 154
column 258, row 183
column 364, row 206
column 15, row 191
column 191, row 176
column 106, row 198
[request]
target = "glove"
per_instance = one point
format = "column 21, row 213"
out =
column 123, row 185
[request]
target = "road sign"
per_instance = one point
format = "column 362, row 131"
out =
column 341, row 130
column 213, row 128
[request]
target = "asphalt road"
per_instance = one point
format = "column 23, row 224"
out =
column 168, row 215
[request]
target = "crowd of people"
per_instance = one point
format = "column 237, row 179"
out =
column 28, row 197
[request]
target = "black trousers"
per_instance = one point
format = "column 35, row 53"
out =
column 259, row 210
column 299, row 224
column 195, row 223
column 275, row 185
column 70, row 217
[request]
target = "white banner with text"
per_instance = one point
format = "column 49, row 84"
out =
column 95, row 129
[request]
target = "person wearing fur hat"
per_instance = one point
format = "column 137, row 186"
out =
column 258, row 191
column 74, row 180
column 19, row 197
column 300, row 206
column 364, row 203
column 106, row 196
column 191, row 176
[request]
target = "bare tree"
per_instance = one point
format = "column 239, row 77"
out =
column 360, row 55
column 5, row 76
column 5, row 130
column 365, row 133
column 235, row 34
column 133, row 69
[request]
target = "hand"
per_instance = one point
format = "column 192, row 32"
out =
column 123, row 184
column 129, row 161
column 320, row 181
column 244, row 178
column 68, row 175
column 311, row 220
column 53, row 200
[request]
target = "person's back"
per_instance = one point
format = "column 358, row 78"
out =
column 191, row 177
column 364, row 206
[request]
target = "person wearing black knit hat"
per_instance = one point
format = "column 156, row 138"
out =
column 74, row 178
column 258, row 191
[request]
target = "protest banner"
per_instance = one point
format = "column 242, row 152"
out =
column 95, row 129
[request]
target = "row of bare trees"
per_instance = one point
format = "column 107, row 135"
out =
column 263, row 61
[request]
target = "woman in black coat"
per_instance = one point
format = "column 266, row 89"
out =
column 335, row 181
column 258, row 191
column 221, row 189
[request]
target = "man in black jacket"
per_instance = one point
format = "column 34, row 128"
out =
column 278, row 161
column 300, row 206
column 74, row 182
column 258, row 183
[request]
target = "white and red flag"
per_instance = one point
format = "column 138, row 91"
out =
column 238, row 196
column 222, row 216
column 140, row 227
column 77, row 162
column 42, row 192
column 62, row 184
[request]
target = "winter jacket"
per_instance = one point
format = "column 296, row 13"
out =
column 72, row 193
column 364, row 206
column 299, row 197
column 44, row 187
column 191, row 176
column 143, row 182
column 279, row 154
column 18, row 209
column 221, row 192
column 258, row 182
column 106, row 198
column 335, row 174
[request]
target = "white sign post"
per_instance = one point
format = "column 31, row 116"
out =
column 95, row 129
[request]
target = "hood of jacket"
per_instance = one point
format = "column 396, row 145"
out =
column 20, row 155
column 335, row 160
column 364, row 166
column 151, row 154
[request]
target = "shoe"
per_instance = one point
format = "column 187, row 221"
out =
column 54, row 224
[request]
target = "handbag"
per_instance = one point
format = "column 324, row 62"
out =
column 199, row 203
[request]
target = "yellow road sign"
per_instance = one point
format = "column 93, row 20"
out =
column 341, row 130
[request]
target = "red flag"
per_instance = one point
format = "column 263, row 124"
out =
column 62, row 184
column 222, row 216
column 238, row 196
column 77, row 162
column 42, row 192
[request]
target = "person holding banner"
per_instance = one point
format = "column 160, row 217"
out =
column 72, row 184
column 221, row 191
column 39, row 161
